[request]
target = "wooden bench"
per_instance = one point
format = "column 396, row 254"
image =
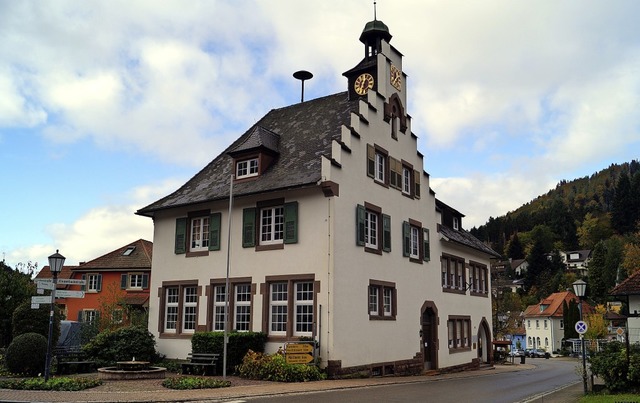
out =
column 72, row 360
column 201, row 364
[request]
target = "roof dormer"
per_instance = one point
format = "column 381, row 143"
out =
column 255, row 154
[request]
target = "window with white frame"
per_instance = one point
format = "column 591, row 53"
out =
column 190, row 309
column 371, row 230
column 406, row 180
column 247, row 168
column 414, row 243
column 561, row 323
column 291, row 307
column 271, row 225
column 243, row 307
column 89, row 315
column 279, row 309
column 136, row 280
column 94, row 282
column 381, row 300
column 199, row 234
column 219, row 306
column 172, row 302
column 381, row 163
column 453, row 273
column 303, row 304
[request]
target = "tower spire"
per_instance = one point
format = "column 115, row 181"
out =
column 374, row 10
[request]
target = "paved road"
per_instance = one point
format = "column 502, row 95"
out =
column 493, row 387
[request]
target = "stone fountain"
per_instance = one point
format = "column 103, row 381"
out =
column 129, row 370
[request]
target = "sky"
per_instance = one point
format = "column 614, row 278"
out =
column 107, row 106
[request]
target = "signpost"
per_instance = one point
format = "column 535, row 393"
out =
column 46, row 299
column 63, row 281
column 298, row 353
column 69, row 294
column 581, row 327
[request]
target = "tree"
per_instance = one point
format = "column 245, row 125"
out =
column 597, row 287
column 623, row 206
column 597, row 326
column 514, row 248
column 570, row 315
column 594, row 228
column 631, row 261
column 15, row 288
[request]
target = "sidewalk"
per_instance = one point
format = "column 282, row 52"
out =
column 153, row 391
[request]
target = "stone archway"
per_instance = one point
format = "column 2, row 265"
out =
column 429, row 335
column 484, row 342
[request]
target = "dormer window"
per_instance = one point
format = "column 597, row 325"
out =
column 247, row 168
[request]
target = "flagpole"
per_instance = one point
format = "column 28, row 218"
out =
column 226, row 288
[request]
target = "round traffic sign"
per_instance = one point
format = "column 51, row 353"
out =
column 581, row 327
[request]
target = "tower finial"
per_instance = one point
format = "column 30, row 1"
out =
column 374, row 10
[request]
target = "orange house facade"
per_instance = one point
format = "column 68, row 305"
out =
column 116, row 283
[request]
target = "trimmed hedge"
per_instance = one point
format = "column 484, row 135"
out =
column 273, row 367
column 27, row 354
column 239, row 344
column 111, row 346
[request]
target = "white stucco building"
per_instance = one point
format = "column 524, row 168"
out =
column 335, row 234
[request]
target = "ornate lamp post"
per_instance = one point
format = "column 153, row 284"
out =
column 56, row 261
column 579, row 288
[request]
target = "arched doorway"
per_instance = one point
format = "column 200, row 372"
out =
column 429, row 335
column 484, row 342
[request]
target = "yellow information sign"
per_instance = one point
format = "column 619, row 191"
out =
column 298, row 358
column 298, row 348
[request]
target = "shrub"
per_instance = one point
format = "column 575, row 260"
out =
column 191, row 382
column 611, row 366
column 122, row 344
column 237, row 347
column 27, row 354
column 70, row 384
column 273, row 367
column 27, row 320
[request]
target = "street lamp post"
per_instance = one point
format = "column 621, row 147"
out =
column 580, row 287
column 56, row 261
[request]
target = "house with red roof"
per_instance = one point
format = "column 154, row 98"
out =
column 629, row 292
column 544, row 322
column 116, row 283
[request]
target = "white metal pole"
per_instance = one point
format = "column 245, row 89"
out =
column 226, row 288
column 47, row 368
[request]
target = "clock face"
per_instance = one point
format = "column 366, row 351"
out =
column 396, row 77
column 363, row 83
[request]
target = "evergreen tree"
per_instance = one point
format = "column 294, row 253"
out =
column 514, row 248
column 597, row 273
column 538, row 273
column 623, row 206
column 570, row 315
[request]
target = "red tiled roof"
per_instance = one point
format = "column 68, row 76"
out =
column 64, row 273
column 554, row 305
column 139, row 258
column 630, row 286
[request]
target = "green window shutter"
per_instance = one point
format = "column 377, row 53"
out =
column 181, row 236
column 123, row 281
column 406, row 239
column 386, row 233
column 145, row 281
column 83, row 287
column 291, row 222
column 426, row 254
column 80, row 316
column 214, row 231
column 99, row 282
column 371, row 160
column 360, row 213
column 249, row 227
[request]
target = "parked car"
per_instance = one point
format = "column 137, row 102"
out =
column 534, row 353
column 516, row 353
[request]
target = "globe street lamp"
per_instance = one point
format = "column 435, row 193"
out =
column 56, row 261
column 579, row 288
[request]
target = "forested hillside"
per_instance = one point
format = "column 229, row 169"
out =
column 600, row 212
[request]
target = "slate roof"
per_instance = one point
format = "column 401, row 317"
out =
column 630, row 286
column 582, row 255
column 305, row 132
column 139, row 258
column 465, row 238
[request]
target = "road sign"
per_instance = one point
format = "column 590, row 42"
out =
column 298, row 348
column 35, row 306
column 63, row 281
column 69, row 294
column 41, row 299
column 581, row 327
column 298, row 358
column 620, row 331
column 71, row 281
column 45, row 285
